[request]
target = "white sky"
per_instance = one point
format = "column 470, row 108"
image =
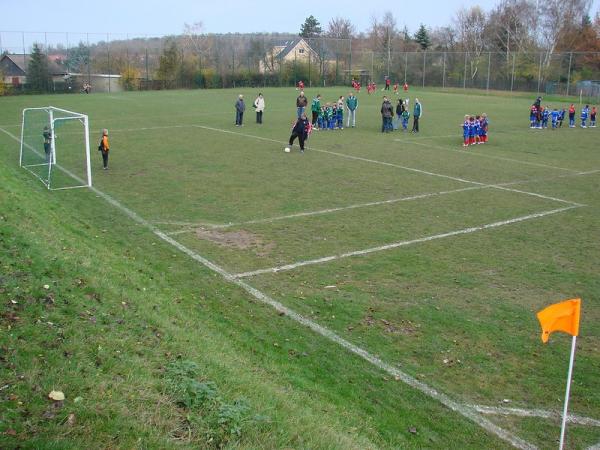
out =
column 157, row 18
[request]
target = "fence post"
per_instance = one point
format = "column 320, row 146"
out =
column 512, row 77
column 540, row 74
column 424, row 65
column 89, row 58
column 108, row 58
column 147, row 73
column 465, row 75
column 487, row 88
column 569, row 74
column 23, row 41
column 444, row 73
column 350, row 63
column 309, row 74
column 405, row 64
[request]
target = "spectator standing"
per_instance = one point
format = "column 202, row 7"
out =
column 240, row 107
column 259, row 105
column 315, row 109
column 301, row 103
column 387, row 112
column 417, row 113
column 352, row 105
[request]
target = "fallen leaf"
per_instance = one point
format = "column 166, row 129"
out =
column 412, row 430
column 71, row 420
column 10, row 432
column 57, row 396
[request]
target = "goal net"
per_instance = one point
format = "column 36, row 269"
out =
column 55, row 147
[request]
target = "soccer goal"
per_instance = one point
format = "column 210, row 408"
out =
column 55, row 147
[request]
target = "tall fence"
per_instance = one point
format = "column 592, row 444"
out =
column 112, row 62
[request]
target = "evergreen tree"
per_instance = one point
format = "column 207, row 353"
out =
column 310, row 28
column 168, row 64
column 422, row 37
column 38, row 76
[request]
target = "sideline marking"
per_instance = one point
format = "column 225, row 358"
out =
column 308, row 213
column 444, row 399
column 502, row 411
column 402, row 243
column 485, row 155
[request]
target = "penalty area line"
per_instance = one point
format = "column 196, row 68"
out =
column 403, row 243
column 427, row 390
column 520, row 412
column 388, row 164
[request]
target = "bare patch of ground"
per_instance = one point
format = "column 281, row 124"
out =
column 241, row 239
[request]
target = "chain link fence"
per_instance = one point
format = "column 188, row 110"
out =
column 116, row 62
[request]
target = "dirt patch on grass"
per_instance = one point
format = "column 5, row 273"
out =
column 241, row 239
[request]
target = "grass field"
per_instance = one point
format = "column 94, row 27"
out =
column 377, row 291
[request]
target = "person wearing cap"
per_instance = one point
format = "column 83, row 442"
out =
column 240, row 107
column 104, row 147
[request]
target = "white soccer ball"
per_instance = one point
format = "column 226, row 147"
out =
column 287, row 149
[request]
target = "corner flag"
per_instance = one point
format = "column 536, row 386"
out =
column 563, row 316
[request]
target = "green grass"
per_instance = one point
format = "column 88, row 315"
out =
column 124, row 311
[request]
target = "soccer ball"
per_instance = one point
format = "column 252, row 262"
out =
column 287, row 149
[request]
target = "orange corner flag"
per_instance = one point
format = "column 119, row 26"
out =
column 563, row 316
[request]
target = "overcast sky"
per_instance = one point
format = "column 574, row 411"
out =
column 153, row 17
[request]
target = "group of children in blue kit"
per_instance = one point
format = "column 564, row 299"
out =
column 331, row 115
column 540, row 116
column 475, row 130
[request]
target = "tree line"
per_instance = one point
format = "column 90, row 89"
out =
column 198, row 59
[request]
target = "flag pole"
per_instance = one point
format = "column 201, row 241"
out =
column 564, row 418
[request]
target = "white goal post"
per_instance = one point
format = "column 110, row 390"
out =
column 59, row 160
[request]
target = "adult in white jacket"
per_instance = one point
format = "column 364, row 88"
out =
column 259, row 105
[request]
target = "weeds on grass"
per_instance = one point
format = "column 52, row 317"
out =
column 208, row 416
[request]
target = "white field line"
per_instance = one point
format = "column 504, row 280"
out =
column 383, row 163
column 327, row 211
column 486, row 155
column 191, row 225
column 402, row 243
column 502, row 411
column 444, row 399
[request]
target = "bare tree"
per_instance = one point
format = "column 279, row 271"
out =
column 510, row 26
column 470, row 30
column 340, row 28
column 383, row 34
column 196, row 41
column 557, row 19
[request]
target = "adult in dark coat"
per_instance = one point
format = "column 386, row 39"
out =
column 240, row 107
column 387, row 112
